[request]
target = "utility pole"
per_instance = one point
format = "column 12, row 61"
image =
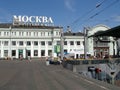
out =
column 61, row 43
column 85, row 42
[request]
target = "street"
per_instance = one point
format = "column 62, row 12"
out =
column 35, row 75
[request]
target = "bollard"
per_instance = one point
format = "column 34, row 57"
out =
column 74, row 68
column 47, row 62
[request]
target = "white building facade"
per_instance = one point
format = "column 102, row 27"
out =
column 35, row 41
column 100, row 46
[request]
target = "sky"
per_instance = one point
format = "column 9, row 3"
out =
column 74, row 13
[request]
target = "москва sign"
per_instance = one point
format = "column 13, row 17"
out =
column 32, row 19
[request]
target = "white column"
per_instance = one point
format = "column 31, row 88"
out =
column 2, row 50
column 46, row 48
column 39, row 49
column 75, row 44
column 68, row 46
column 17, row 53
column 24, row 50
column 17, row 56
column 54, row 54
column 32, row 50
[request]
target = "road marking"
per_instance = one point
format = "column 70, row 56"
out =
column 92, row 83
column 95, row 84
column 89, row 81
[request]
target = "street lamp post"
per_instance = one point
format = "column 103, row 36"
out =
column 52, row 38
column 85, row 42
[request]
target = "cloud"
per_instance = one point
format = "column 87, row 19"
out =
column 69, row 5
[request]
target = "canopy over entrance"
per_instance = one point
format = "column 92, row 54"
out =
column 114, row 32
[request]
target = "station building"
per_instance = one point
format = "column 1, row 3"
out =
column 101, row 46
column 36, row 41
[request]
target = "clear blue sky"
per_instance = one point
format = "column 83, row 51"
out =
column 65, row 12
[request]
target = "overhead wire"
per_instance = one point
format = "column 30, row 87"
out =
column 87, row 13
column 103, row 9
column 99, row 12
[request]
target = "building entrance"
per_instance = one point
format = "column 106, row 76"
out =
column 20, row 53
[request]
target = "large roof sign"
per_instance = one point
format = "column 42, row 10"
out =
column 34, row 20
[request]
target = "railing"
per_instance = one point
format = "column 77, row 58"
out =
column 78, row 62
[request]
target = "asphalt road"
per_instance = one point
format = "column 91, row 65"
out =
column 35, row 75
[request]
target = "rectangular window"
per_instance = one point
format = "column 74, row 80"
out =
column 65, row 51
column 21, row 43
column 49, row 43
column 49, row 52
column 28, row 43
column 43, row 43
column 42, row 52
column 4, row 33
column 71, row 42
column 6, row 53
column 78, row 42
column 28, row 52
column 5, row 43
column 29, row 33
column 58, row 42
column 35, row 52
column 13, row 52
column 13, row 43
column 65, row 42
column 83, row 42
column 36, row 43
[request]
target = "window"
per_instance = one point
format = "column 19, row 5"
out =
column 83, row 42
column 5, row 33
column 49, row 52
column 48, row 33
column 36, row 43
column 28, row 43
column 35, row 52
column 34, row 34
column 14, row 33
column 13, row 43
column 43, row 43
column 78, row 42
column 20, row 33
column 58, row 42
column 65, row 42
column 6, row 53
column 65, row 51
column 49, row 43
column 13, row 52
column 42, row 52
column 56, row 33
column 21, row 43
column 28, row 52
column 29, row 33
column 5, row 43
column 71, row 42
